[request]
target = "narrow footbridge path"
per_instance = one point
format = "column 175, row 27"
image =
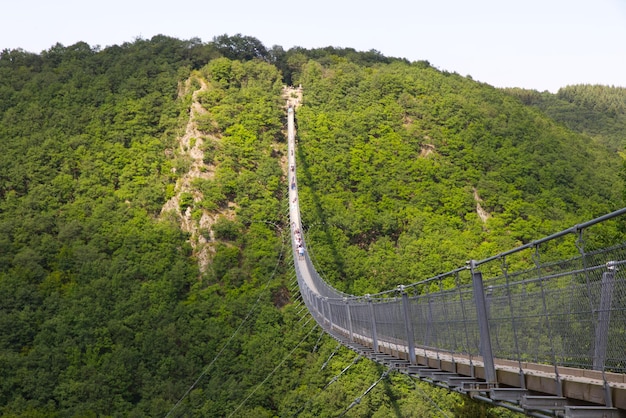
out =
column 546, row 340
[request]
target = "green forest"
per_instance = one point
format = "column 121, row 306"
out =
column 598, row 111
column 145, row 265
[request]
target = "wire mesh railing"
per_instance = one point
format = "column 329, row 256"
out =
column 561, row 312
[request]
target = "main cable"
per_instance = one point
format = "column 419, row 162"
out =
column 330, row 382
column 368, row 390
column 273, row 371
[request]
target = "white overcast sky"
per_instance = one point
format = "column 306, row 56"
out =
column 536, row 44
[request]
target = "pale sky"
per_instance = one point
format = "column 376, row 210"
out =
column 535, row 44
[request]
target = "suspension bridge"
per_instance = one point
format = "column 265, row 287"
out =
column 522, row 329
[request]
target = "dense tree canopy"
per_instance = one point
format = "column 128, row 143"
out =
column 399, row 157
column 239, row 47
column 598, row 111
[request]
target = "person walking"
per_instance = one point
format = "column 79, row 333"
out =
column 300, row 252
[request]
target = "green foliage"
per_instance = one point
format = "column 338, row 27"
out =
column 395, row 159
column 186, row 200
column 597, row 111
column 239, row 47
column 246, row 113
column 225, row 229
column 103, row 312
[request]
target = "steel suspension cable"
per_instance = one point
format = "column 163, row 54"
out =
column 333, row 380
column 331, row 356
column 273, row 371
column 368, row 390
column 355, row 360
column 317, row 343
column 243, row 322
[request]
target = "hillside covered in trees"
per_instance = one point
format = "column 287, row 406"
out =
column 597, row 111
column 130, row 288
column 413, row 171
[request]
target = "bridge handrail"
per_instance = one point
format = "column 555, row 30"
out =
column 572, row 230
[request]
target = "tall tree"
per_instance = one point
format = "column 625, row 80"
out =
column 239, row 47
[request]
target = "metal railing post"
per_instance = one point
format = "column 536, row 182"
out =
column 604, row 318
column 430, row 326
column 483, row 324
column 319, row 307
column 330, row 313
column 374, row 334
column 349, row 318
column 408, row 325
